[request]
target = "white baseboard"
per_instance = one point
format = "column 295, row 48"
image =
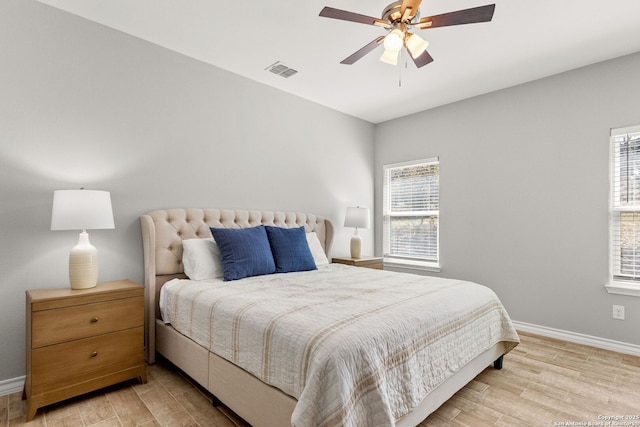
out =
column 574, row 337
column 12, row 385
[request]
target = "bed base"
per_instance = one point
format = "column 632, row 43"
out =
column 264, row 406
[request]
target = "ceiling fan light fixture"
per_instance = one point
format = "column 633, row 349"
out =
column 394, row 40
column 390, row 56
column 416, row 45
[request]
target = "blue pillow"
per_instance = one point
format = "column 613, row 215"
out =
column 290, row 249
column 244, row 252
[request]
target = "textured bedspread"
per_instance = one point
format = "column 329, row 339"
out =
column 355, row 346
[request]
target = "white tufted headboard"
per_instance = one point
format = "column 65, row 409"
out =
column 164, row 230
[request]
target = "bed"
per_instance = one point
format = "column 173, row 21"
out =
column 226, row 354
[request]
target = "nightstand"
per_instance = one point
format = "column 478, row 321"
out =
column 82, row 340
column 367, row 262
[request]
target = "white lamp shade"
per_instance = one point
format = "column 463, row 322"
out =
column 393, row 41
column 390, row 56
column 416, row 45
column 81, row 210
column 357, row 217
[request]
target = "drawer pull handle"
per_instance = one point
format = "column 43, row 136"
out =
column 94, row 320
column 94, row 354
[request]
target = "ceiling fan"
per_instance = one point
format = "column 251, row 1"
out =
column 398, row 19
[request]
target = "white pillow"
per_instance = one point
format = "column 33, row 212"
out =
column 201, row 259
column 316, row 249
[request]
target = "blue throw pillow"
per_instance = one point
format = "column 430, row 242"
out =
column 290, row 249
column 244, row 252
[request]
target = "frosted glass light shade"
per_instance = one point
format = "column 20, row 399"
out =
column 390, row 56
column 392, row 46
column 393, row 41
column 82, row 210
column 416, row 45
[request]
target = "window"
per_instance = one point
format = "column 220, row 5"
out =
column 411, row 204
column 625, row 211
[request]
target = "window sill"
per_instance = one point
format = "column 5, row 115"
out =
column 623, row 288
column 412, row 265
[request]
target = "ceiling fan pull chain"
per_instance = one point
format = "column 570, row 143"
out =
column 400, row 70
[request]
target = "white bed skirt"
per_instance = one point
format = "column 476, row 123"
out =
column 264, row 406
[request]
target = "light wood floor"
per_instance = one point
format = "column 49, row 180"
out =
column 544, row 382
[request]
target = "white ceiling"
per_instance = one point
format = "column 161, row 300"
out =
column 527, row 40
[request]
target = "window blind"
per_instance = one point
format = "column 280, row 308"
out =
column 625, row 203
column 411, row 210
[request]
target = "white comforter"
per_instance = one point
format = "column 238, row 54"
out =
column 356, row 347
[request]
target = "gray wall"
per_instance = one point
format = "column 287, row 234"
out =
column 524, row 192
column 523, row 171
column 84, row 105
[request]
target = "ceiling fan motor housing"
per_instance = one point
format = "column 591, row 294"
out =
column 392, row 14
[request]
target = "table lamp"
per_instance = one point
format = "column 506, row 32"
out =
column 359, row 218
column 82, row 210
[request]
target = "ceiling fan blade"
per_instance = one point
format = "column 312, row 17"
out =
column 460, row 17
column 344, row 15
column 413, row 4
column 362, row 52
column 423, row 59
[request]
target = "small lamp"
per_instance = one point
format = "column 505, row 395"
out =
column 359, row 218
column 82, row 210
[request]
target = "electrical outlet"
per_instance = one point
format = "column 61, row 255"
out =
column 618, row 312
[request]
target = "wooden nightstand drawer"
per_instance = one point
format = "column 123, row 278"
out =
column 70, row 362
column 88, row 320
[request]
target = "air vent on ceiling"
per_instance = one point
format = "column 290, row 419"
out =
column 281, row 69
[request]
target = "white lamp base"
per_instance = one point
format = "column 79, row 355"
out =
column 83, row 264
column 356, row 246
